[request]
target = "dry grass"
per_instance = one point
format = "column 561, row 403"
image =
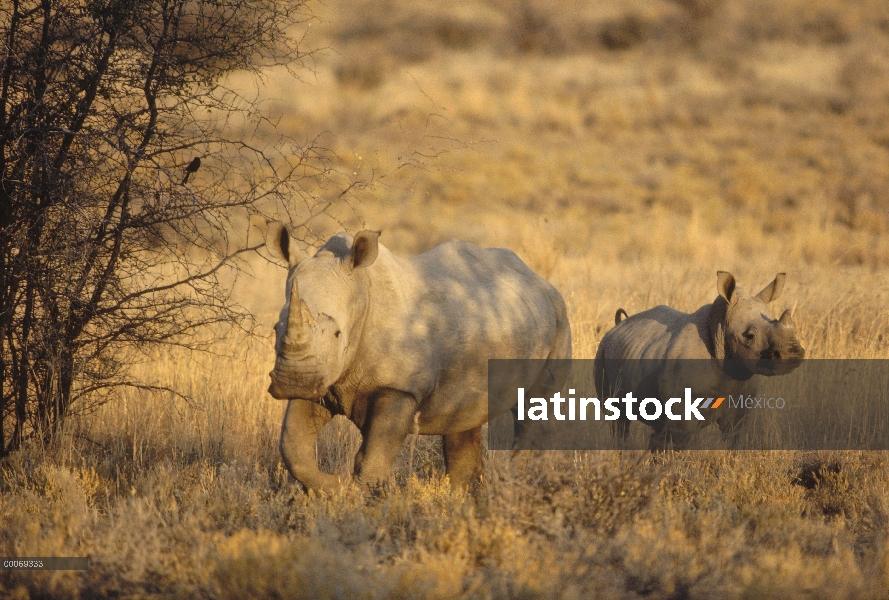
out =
column 627, row 151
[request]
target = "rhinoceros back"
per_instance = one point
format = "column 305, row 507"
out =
column 641, row 344
column 460, row 306
column 494, row 302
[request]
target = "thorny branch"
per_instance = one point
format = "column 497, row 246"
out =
column 102, row 248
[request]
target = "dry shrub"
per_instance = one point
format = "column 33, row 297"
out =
column 699, row 9
column 267, row 565
column 363, row 69
column 843, row 485
column 534, row 30
column 623, row 33
column 864, row 74
column 599, row 491
column 416, row 32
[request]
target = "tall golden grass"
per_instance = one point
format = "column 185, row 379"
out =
column 626, row 151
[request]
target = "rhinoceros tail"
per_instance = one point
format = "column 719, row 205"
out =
column 617, row 316
column 604, row 388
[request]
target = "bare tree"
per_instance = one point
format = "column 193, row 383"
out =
column 110, row 238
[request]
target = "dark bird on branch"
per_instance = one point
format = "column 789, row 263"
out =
column 193, row 166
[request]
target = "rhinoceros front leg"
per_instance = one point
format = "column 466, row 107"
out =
column 303, row 422
column 388, row 423
column 662, row 439
column 731, row 425
column 463, row 457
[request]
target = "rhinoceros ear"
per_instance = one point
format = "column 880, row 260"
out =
column 773, row 290
column 725, row 285
column 365, row 249
column 279, row 244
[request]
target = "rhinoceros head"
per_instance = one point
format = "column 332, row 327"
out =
column 744, row 334
column 325, row 299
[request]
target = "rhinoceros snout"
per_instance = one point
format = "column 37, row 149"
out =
column 792, row 352
column 770, row 354
column 285, row 386
column 275, row 388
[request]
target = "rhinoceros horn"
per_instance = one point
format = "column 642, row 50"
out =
column 296, row 339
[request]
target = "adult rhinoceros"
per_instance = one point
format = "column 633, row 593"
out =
column 390, row 342
column 716, row 350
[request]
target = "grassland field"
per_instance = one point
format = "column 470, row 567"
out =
column 626, row 151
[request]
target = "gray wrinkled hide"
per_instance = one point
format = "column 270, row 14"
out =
column 399, row 345
column 733, row 333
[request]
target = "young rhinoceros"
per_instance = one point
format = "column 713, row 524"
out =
column 715, row 350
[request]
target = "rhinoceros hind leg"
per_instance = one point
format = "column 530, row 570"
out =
column 303, row 422
column 621, row 429
column 463, row 457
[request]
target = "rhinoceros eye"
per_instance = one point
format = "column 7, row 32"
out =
column 337, row 334
column 750, row 333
